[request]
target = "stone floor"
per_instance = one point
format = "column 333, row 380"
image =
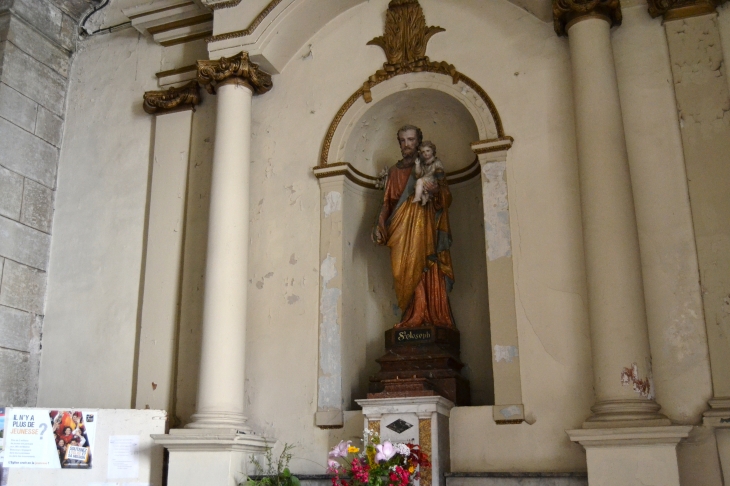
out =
column 516, row 479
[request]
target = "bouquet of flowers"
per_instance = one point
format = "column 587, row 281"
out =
column 379, row 464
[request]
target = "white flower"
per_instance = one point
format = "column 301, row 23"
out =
column 402, row 449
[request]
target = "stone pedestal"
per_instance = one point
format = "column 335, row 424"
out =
column 418, row 420
column 421, row 361
column 631, row 456
column 215, row 457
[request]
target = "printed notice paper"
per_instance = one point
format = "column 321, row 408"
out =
column 37, row 438
column 123, row 460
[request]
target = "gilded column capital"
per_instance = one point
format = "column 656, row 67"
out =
column 680, row 9
column 567, row 12
column 172, row 99
column 214, row 72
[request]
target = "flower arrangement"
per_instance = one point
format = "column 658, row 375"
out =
column 379, row 464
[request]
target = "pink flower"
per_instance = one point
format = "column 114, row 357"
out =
column 332, row 465
column 385, row 451
column 340, row 450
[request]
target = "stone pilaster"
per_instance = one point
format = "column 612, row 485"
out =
column 703, row 102
column 159, row 326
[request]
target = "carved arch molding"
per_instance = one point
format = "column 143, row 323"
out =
column 404, row 43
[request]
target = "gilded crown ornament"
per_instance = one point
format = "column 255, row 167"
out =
column 172, row 99
column 214, row 72
column 404, row 43
column 677, row 9
column 566, row 12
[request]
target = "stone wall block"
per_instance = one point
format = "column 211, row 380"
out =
column 11, row 193
column 49, row 127
column 15, row 328
column 23, row 244
column 17, row 108
column 69, row 33
column 4, row 24
column 42, row 15
column 34, row 360
column 27, row 154
column 14, row 366
column 74, row 8
column 23, row 287
column 37, row 211
column 30, row 41
column 33, row 78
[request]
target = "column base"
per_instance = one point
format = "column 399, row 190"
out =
column 719, row 413
column 214, row 457
column 219, row 420
column 417, row 420
column 631, row 456
column 626, row 413
column 719, row 417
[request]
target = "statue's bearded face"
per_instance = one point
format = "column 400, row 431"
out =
column 408, row 141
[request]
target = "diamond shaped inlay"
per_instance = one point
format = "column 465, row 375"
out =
column 399, row 426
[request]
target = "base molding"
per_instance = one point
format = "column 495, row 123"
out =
column 632, row 456
column 626, row 413
column 719, row 413
column 214, row 457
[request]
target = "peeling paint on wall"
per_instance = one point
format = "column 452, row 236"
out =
column 505, row 353
column 496, row 211
column 330, row 367
column 333, row 203
column 644, row 387
column 510, row 411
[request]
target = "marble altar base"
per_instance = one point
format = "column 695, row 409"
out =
column 418, row 420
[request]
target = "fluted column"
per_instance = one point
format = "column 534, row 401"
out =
column 619, row 335
column 220, row 401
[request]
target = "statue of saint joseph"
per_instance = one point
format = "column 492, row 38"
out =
column 418, row 235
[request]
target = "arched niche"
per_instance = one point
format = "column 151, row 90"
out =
column 357, row 300
column 444, row 120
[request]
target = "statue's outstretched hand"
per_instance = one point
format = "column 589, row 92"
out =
column 377, row 236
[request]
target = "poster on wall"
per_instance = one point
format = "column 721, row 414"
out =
column 49, row 439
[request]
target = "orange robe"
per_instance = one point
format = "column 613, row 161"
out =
column 419, row 238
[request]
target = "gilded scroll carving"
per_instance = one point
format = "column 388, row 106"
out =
column 404, row 42
column 565, row 12
column 213, row 73
column 677, row 9
column 172, row 99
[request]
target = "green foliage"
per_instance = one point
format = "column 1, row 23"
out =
column 275, row 472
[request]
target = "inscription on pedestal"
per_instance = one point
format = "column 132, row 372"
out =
column 409, row 336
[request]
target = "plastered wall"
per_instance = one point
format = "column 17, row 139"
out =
column 99, row 225
column 96, row 256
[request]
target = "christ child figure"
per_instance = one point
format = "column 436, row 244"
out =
column 426, row 172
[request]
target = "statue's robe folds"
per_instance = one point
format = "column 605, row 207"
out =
column 419, row 238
